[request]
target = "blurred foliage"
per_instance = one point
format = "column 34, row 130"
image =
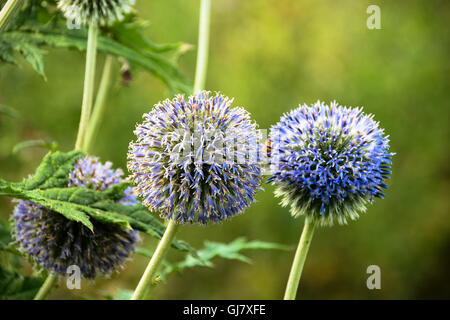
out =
column 272, row 55
column 16, row 287
column 39, row 24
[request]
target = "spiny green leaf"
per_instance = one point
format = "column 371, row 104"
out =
column 212, row 250
column 14, row 286
column 48, row 187
column 28, row 48
column 30, row 32
column 153, row 62
column 140, row 219
column 53, row 171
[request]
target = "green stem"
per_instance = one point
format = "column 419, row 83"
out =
column 155, row 261
column 46, row 287
column 99, row 107
column 88, row 93
column 203, row 45
column 299, row 260
column 8, row 11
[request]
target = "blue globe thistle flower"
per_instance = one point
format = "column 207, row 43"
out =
column 196, row 160
column 328, row 162
column 102, row 12
column 55, row 242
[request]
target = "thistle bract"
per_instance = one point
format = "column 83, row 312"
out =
column 328, row 162
column 55, row 242
column 196, row 160
column 101, row 12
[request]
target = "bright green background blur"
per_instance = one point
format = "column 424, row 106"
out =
column 271, row 56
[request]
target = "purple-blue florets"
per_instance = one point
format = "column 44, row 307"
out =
column 195, row 159
column 55, row 242
column 328, row 162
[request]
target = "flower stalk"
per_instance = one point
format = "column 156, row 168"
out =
column 155, row 261
column 203, row 46
column 8, row 11
column 88, row 91
column 99, row 106
column 46, row 287
column 88, row 94
column 299, row 259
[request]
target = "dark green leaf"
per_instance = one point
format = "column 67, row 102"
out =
column 6, row 241
column 53, row 172
column 28, row 48
column 14, row 286
column 47, row 187
column 5, row 238
column 153, row 62
column 33, row 29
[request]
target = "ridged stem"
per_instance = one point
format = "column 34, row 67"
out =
column 299, row 260
column 203, row 46
column 8, row 11
column 46, row 287
column 155, row 261
column 88, row 91
column 99, row 106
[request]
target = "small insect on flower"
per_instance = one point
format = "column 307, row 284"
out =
column 328, row 162
column 102, row 12
column 55, row 242
column 196, row 160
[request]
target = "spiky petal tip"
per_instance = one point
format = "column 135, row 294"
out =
column 54, row 242
column 101, row 12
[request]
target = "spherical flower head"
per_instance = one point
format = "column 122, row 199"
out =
column 101, row 12
column 328, row 162
column 55, row 243
column 196, row 160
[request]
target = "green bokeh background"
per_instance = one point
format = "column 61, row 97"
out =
column 272, row 55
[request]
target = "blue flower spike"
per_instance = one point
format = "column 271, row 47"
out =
column 328, row 162
column 54, row 242
column 196, row 159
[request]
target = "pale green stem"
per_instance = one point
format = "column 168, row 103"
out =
column 200, row 76
column 88, row 92
column 100, row 105
column 203, row 46
column 8, row 11
column 155, row 261
column 299, row 260
column 46, row 287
